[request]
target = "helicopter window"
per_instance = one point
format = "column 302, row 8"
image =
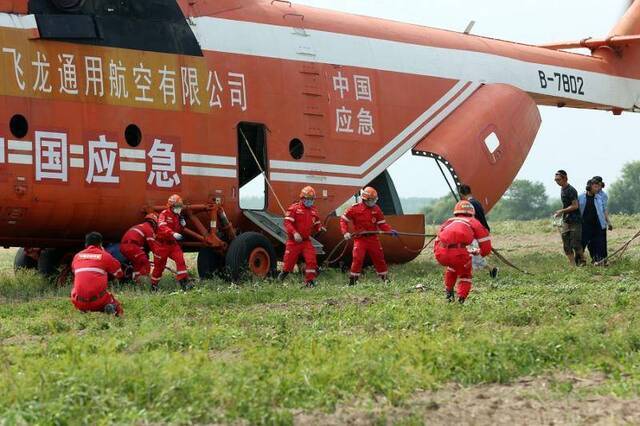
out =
column 133, row 135
column 19, row 126
column 296, row 149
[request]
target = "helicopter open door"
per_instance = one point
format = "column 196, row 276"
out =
column 486, row 140
column 252, row 166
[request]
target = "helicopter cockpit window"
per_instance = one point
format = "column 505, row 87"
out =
column 150, row 25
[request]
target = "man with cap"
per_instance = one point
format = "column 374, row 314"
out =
column 301, row 222
column 367, row 220
column 92, row 268
column 571, row 220
column 451, row 249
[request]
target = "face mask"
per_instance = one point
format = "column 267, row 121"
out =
column 177, row 210
column 308, row 203
column 370, row 203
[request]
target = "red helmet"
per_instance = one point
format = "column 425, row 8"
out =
column 308, row 192
column 175, row 201
column 152, row 218
column 369, row 194
column 464, row 207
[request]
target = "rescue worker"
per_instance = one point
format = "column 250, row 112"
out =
column 170, row 228
column 92, row 268
column 136, row 243
column 368, row 220
column 451, row 249
column 301, row 222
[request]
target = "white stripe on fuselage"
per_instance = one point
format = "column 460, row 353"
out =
column 407, row 144
column 280, row 42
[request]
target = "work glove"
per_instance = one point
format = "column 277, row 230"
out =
column 394, row 233
column 347, row 236
column 297, row 237
column 177, row 236
column 182, row 221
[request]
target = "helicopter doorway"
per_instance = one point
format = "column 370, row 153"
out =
column 252, row 162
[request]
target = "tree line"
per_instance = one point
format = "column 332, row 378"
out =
column 528, row 200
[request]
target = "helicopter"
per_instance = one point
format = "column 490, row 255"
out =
column 110, row 106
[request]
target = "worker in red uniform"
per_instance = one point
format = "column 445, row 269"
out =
column 92, row 268
column 301, row 222
column 367, row 220
column 451, row 249
column 136, row 243
column 170, row 228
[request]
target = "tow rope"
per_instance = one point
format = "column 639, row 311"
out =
column 344, row 244
column 616, row 255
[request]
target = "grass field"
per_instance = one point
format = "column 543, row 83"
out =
column 562, row 345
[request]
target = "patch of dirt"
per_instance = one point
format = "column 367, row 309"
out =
column 530, row 401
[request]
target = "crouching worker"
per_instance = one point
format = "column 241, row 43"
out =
column 367, row 219
column 136, row 243
column 170, row 227
column 301, row 222
column 92, row 268
column 451, row 249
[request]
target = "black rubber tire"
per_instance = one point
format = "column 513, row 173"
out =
column 22, row 261
column 237, row 258
column 49, row 261
column 210, row 264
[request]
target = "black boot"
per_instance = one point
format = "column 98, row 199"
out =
column 155, row 288
column 110, row 309
column 384, row 278
column 185, row 284
column 310, row 284
column 461, row 300
column 282, row 276
column 353, row 280
column 450, row 296
column 493, row 273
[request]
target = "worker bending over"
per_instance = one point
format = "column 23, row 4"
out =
column 170, row 228
column 136, row 243
column 301, row 222
column 367, row 220
column 451, row 249
column 92, row 268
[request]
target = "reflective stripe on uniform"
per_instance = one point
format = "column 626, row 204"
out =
column 310, row 271
column 289, row 218
column 98, row 270
column 345, row 218
column 138, row 231
column 468, row 280
column 482, row 240
column 181, row 272
column 450, row 269
column 381, row 222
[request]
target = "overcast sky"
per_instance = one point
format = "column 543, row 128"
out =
column 585, row 143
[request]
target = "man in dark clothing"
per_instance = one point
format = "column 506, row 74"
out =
column 571, row 220
column 479, row 262
column 594, row 224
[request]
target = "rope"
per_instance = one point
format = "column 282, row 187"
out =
column 330, row 261
column 255, row 158
column 618, row 253
column 504, row 260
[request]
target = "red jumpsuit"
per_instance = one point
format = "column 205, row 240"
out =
column 167, row 247
column 306, row 222
column 365, row 219
column 135, row 244
column 91, row 268
column 451, row 251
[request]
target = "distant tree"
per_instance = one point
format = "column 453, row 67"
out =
column 624, row 194
column 524, row 200
column 440, row 210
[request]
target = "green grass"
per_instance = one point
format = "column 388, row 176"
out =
column 263, row 351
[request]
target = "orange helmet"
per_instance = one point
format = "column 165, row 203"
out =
column 152, row 218
column 308, row 192
column 369, row 194
column 464, row 207
column 175, row 201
